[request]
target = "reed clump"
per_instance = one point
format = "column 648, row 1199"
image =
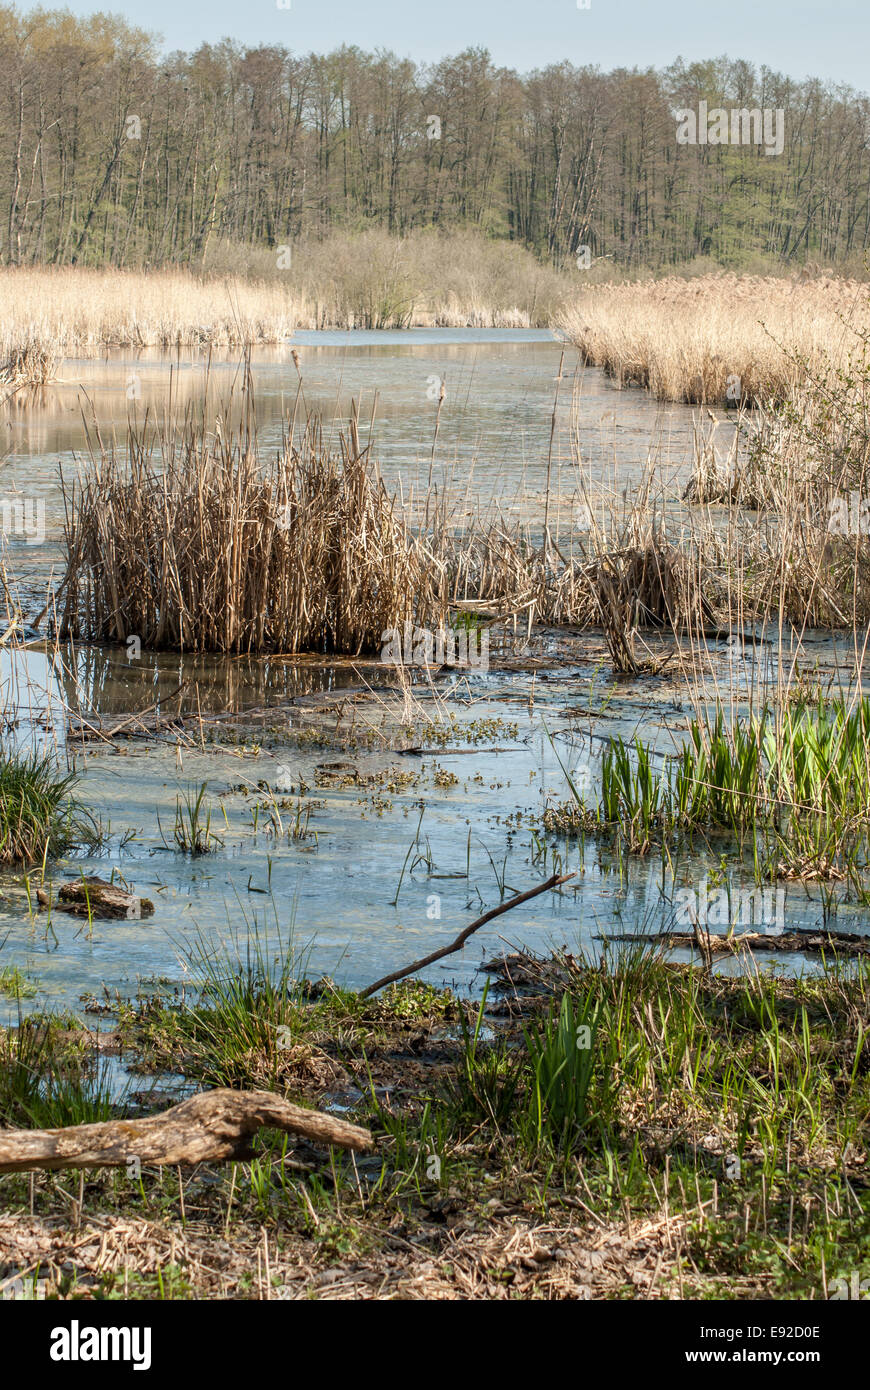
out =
column 29, row 360
column 194, row 542
column 48, row 314
column 650, row 585
column 620, row 574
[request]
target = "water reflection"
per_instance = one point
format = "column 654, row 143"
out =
column 31, row 701
column 493, row 448
column 109, row 680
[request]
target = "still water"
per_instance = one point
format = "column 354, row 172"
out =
column 460, row 818
column 506, row 424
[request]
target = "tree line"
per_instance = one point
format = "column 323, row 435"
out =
column 114, row 153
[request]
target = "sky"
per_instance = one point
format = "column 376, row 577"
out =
column 820, row 38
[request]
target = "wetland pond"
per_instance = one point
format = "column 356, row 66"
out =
column 358, row 824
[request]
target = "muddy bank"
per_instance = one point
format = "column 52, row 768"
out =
column 656, row 1183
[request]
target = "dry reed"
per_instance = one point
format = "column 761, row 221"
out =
column 192, row 542
column 725, row 339
column 802, row 464
column 243, row 297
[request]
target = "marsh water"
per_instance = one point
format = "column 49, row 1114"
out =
column 489, row 445
column 406, row 839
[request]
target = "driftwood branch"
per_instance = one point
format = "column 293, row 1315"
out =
column 464, row 935
column 208, row 1128
column 94, row 897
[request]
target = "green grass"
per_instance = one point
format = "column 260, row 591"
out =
column 14, row 984
column 740, row 1103
column 484, row 1086
column 38, row 816
column 243, row 1023
column 562, row 1057
column 737, row 1106
column 192, row 833
column 49, row 1079
column 792, row 785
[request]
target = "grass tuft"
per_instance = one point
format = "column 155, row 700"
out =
column 38, row 817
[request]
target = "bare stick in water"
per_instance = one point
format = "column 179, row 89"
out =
column 464, row 935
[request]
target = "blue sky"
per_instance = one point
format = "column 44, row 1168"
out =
column 824, row 38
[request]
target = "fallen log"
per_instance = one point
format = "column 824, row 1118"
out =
column 802, row 939
column 211, row 1127
column 94, row 897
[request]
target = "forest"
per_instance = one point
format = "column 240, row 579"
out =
column 113, row 153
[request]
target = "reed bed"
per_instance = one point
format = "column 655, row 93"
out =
column 247, row 296
column 48, row 314
column 803, row 465
column 193, row 541
column 774, row 527
column 621, row 571
column 28, row 360
column 717, row 339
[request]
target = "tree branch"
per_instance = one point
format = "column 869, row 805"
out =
column 208, row 1128
column 463, row 935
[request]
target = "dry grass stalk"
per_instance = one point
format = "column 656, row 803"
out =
column 716, row 477
column 652, row 585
